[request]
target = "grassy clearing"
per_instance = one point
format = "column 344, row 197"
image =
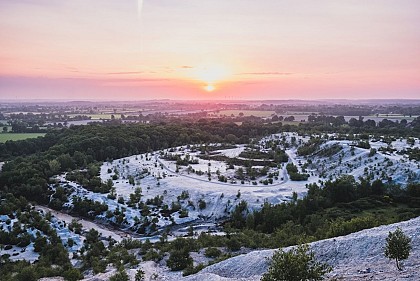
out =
column 285, row 122
column 18, row 136
column 393, row 117
column 104, row 116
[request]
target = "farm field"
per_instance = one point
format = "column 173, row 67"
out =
column 302, row 117
column 380, row 117
column 18, row 136
column 256, row 113
column 99, row 116
column 393, row 117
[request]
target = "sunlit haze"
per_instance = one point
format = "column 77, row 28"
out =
column 209, row 49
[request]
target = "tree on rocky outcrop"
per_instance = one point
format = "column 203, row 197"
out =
column 398, row 246
column 179, row 256
column 179, row 260
column 121, row 275
column 297, row 264
column 139, row 275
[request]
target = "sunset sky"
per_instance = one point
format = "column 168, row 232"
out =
column 209, row 49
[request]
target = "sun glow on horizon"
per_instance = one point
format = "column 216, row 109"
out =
column 211, row 75
column 209, row 88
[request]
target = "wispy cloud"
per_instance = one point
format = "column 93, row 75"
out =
column 124, row 73
column 266, row 73
column 137, row 80
column 4, row 78
column 139, row 8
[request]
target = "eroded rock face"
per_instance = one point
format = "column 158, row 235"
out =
column 358, row 256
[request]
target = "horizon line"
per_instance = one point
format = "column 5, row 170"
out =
column 201, row 100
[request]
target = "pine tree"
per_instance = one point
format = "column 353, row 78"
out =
column 119, row 276
column 139, row 275
column 298, row 264
column 397, row 246
column 179, row 260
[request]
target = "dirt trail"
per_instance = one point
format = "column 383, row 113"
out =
column 103, row 230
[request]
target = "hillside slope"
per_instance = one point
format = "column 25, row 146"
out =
column 358, row 256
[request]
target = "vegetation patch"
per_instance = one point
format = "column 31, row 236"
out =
column 4, row 137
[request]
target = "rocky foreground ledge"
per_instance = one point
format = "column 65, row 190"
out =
column 357, row 256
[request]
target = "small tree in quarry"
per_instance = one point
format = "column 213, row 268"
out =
column 397, row 246
column 298, row 264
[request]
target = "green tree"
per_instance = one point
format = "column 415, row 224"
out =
column 240, row 173
column 212, row 252
column 55, row 166
column 139, row 275
column 398, row 246
column 27, row 274
column 72, row 274
column 298, row 264
column 202, row 204
column 119, row 276
column 179, row 260
column 40, row 244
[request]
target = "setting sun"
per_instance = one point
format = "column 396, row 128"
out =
column 211, row 74
column 209, row 88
